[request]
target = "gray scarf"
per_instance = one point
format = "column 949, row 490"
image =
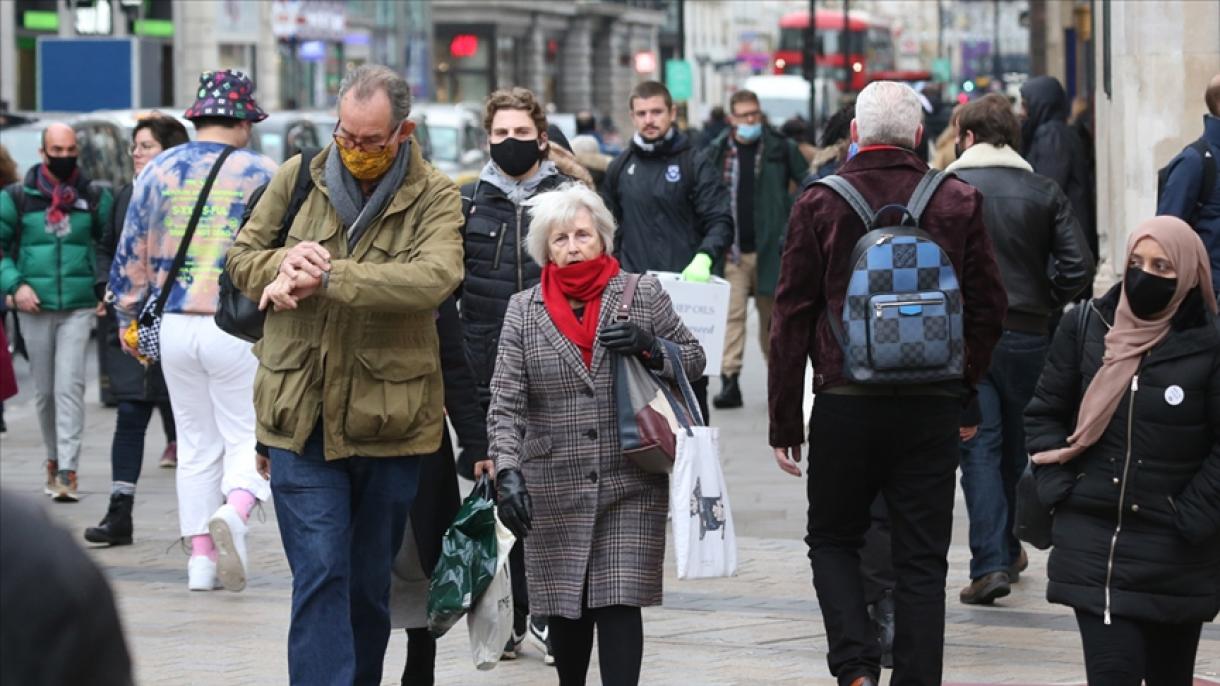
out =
column 647, row 146
column 355, row 212
column 518, row 191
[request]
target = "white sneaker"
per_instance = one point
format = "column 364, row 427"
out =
column 229, row 535
column 201, row 573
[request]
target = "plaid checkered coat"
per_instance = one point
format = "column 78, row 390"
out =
column 597, row 517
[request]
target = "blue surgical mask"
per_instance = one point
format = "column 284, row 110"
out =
column 749, row 132
column 852, row 150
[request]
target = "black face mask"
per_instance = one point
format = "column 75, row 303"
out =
column 514, row 156
column 1148, row 294
column 61, row 167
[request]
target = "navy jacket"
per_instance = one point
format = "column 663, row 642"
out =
column 1182, row 191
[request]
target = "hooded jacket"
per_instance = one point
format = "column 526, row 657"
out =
column 1055, row 151
column 670, row 203
column 1043, row 255
column 1137, row 514
column 497, row 265
column 1183, row 191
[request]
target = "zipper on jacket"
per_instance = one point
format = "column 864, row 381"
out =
column 495, row 262
column 59, row 268
column 520, row 280
column 1122, row 495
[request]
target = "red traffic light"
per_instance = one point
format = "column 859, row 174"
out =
column 464, row 45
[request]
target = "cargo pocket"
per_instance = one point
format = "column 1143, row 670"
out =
column 279, row 386
column 389, row 388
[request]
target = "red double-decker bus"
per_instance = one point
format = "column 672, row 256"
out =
column 870, row 49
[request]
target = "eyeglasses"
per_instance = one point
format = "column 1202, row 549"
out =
column 752, row 115
column 349, row 143
column 146, row 148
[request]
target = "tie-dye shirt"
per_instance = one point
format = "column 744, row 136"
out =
column 162, row 201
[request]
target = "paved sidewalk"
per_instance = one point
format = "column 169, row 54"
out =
column 761, row 627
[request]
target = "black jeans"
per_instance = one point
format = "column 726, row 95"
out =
column 620, row 645
column 127, row 446
column 1129, row 651
column 876, row 558
column 905, row 448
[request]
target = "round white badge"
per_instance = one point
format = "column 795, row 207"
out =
column 1174, row 395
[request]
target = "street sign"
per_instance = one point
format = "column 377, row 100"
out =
column 679, row 79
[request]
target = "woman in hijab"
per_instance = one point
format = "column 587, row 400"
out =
column 1124, row 432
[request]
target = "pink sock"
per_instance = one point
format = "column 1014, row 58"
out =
column 202, row 545
column 242, row 501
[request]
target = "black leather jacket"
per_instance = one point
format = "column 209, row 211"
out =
column 1042, row 252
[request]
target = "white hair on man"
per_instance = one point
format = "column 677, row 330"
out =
column 888, row 113
column 560, row 208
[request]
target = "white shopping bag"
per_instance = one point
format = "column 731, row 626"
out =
column 703, row 308
column 704, row 543
column 490, row 620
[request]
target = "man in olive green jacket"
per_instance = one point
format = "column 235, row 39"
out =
column 348, row 389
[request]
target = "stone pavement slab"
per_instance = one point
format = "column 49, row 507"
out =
column 760, row 627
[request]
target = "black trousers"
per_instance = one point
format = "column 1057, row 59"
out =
column 904, row 448
column 1128, row 652
column 620, row 645
column 876, row 563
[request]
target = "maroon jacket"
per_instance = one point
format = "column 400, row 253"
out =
column 822, row 231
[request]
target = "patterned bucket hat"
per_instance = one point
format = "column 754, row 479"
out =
column 228, row 94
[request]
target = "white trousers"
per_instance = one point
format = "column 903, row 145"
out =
column 210, row 377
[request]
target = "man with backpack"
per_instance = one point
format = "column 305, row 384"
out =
column 669, row 200
column 1188, row 186
column 899, row 329
column 49, row 226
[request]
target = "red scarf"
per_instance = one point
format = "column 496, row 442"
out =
column 583, row 281
column 61, row 194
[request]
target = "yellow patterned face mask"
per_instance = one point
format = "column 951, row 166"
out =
column 366, row 166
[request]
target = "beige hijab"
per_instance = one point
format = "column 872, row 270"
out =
column 1131, row 337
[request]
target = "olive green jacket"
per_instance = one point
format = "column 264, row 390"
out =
column 363, row 351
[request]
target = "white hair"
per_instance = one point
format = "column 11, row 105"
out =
column 888, row 113
column 559, row 208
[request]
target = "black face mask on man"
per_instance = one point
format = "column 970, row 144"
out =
column 61, row 167
column 1148, row 294
column 515, row 156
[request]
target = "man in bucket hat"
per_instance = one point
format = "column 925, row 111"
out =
column 209, row 374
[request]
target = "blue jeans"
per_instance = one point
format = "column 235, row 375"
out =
column 341, row 523
column 993, row 460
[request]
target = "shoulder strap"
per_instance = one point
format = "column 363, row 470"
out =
column 468, row 202
column 848, row 192
column 924, row 191
column 190, row 231
column 1082, row 328
column 624, row 305
column 300, row 192
column 16, row 191
column 1209, row 168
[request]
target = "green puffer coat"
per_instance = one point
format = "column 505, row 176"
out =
column 59, row 269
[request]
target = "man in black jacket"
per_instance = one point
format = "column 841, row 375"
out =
column 1044, row 262
column 669, row 200
column 1055, row 151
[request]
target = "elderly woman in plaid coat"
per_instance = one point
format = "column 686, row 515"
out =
column 595, row 522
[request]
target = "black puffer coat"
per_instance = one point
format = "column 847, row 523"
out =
column 497, row 266
column 1137, row 516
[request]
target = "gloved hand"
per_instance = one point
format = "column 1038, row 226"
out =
column 625, row 338
column 513, row 502
column 699, row 270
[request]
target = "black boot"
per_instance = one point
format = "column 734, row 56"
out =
column 730, row 393
column 421, row 658
column 882, row 614
column 115, row 527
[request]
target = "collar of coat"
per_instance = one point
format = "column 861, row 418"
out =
column 1193, row 328
column 883, row 158
column 412, row 185
column 988, row 155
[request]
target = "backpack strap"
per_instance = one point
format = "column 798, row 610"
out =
column 1202, row 147
column 16, row 191
column 300, row 192
column 922, row 195
column 848, row 192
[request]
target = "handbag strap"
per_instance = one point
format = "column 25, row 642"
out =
column 624, row 305
column 180, row 258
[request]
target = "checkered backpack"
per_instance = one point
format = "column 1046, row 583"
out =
column 902, row 314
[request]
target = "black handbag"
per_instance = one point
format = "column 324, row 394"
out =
column 236, row 314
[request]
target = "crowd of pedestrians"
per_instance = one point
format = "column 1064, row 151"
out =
column 947, row 316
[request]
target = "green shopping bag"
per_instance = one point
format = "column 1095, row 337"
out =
column 467, row 563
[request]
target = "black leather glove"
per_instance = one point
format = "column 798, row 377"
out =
column 625, row 338
column 513, row 502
